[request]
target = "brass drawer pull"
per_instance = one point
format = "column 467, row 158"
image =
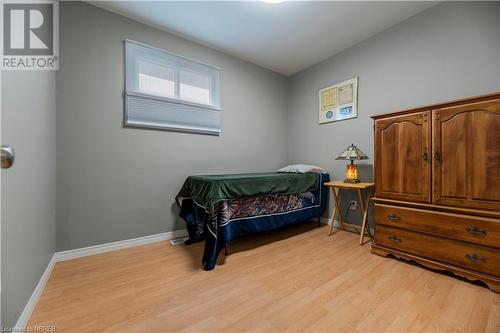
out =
column 475, row 258
column 395, row 239
column 394, row 217
column 476, row 231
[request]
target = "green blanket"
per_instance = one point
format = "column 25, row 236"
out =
column 209, row 190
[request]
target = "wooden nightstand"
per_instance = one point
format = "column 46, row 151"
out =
column 335, row 188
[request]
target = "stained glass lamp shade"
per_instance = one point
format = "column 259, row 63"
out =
column 352, row 153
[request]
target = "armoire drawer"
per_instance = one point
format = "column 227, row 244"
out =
column 475, row 257
column 474, row 229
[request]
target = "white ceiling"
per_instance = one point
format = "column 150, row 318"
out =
column 285, row 37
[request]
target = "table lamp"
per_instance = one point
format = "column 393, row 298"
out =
column 352, row 153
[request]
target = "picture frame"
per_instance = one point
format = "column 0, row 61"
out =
column 338, row 102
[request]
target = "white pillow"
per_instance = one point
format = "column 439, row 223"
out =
column 302, row 168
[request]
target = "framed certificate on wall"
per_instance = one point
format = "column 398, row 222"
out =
column 338, row 101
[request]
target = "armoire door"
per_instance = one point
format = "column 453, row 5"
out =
column 466, row 155
column 402, row 157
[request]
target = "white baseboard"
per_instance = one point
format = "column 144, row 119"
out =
column 102, row 248
column 336, row 223
column 83, row 252
column 123, row 244
column 35, row 296
column 328, row 221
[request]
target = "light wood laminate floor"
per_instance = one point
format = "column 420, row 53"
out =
column 296, row 279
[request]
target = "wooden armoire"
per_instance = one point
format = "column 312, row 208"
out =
column 437, row 184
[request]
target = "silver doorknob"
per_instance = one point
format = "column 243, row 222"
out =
column 8, row 156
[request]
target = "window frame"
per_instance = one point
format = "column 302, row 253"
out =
column 180, row 63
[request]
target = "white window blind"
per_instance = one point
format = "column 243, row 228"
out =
column 167, row 91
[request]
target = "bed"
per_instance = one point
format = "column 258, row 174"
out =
column 218, row 208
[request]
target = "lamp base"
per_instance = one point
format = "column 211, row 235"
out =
column 352, row 181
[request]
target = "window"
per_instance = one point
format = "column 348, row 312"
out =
column 167, row 91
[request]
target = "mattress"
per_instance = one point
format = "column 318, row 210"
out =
column 219, row 208
column 207, row 191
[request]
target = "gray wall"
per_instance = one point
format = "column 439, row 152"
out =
column 29, row 187
column 449, row 51
column 117, row 183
